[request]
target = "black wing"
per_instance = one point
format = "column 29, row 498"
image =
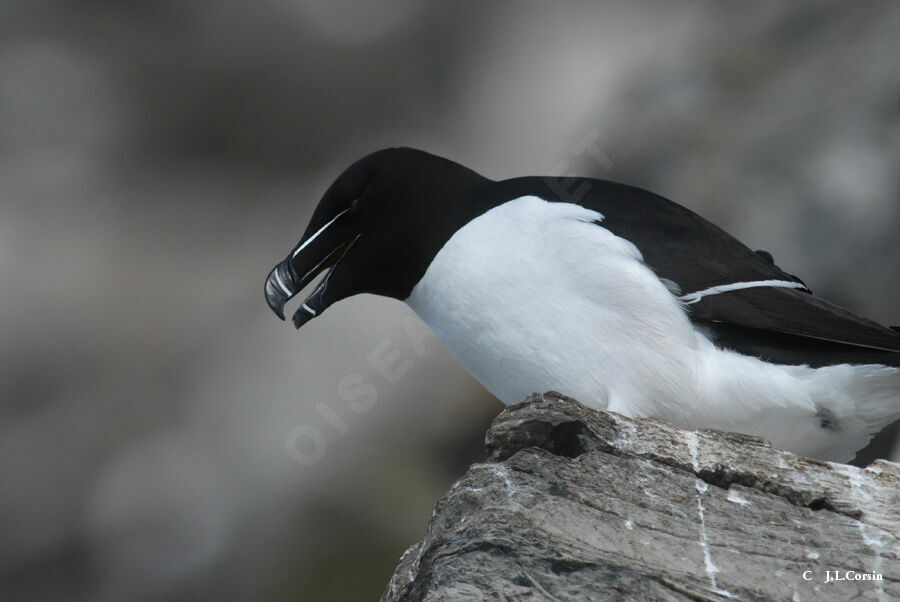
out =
column 779, row 324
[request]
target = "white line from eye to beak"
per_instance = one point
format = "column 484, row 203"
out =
column 282, row 284
column 715, row 290
column 319, row 231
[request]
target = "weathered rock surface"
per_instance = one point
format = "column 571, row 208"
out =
column 574, row 504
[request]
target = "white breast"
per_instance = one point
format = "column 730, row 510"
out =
column 533, row 296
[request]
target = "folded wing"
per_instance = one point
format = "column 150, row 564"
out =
column 777, row 323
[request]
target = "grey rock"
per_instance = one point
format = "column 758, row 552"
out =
column 574, row 504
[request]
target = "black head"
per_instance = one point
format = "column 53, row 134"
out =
column 377, row 228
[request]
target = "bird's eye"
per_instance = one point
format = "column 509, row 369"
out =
column 354, row 205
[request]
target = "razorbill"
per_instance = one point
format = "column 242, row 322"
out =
column 624, row 300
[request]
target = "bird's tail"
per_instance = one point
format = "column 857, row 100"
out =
column 855, row 402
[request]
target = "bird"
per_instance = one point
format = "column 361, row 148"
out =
column 616, row 296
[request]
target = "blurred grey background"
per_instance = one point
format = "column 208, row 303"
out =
column 163, row 436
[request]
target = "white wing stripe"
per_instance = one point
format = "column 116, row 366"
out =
column 724, row 288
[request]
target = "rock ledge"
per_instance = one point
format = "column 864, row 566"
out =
column 575, row 504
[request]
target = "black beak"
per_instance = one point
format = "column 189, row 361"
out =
column 283, row 283
column 280, row 287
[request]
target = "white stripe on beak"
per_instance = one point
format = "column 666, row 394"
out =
column 281, row 284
